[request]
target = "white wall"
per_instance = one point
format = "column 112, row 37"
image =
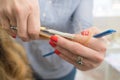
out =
column 107, row 22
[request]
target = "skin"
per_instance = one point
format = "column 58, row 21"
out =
column 92, row 52
column 24, row 15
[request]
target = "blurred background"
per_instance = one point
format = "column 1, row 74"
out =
column 106, row 16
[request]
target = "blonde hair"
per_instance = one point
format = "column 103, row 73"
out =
column 13, row 61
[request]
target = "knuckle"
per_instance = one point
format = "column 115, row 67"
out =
column 99, row 58
column 30, row 7
column 33, row 32
column 17, row 10
column 23, row 37
column 22, row 10
column 104, row 49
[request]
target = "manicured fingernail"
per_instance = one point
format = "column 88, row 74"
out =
column 52, row 44
column 14, row 36
column 85, row 33
column 57, row 52
column 54, row 38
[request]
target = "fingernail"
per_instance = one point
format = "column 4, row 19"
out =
column 52, row 44
column 14, row 36
column 54, row 38
column 85, row 33
column 57, row 52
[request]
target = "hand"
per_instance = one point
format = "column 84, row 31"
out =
column 23, row 14
column 86, row 55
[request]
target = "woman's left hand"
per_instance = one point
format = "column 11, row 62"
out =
column 85, row 55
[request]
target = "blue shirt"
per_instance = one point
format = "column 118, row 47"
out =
column 64, row 15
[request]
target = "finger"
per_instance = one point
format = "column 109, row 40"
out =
column 22, row 26
column 90, row 42
column 93, row 43
column 97, row 44
column 85, row 66
column 79, row 49
column 11, row 16
column 101, row 42
column 34, row 23
column 67, row 53
column 93, row 30
column 73, row 56
column 69, row 60
column 6, row 25
column 13, row 23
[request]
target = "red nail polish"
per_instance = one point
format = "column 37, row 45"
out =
column 54, row 38
column 14, row 36
column 52, row 44
column 57, row 52
column 85, row 33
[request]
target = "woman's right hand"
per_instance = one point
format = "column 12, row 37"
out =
column 23, row 14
